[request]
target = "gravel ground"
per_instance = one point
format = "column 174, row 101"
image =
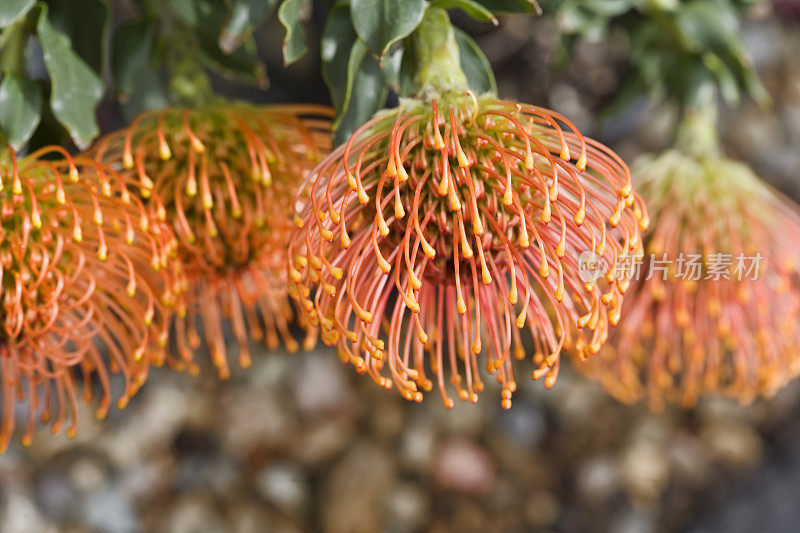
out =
column 300, row 443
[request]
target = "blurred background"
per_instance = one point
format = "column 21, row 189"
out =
column 299, row 442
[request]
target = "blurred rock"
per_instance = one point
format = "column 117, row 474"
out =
column 57, row 497
column 466, row 515
column 318, row 385
column 732, row 442
column 87, row 474
column 192, row 513
column 464, row 466
column 271, row 369
column 388, row 416
column 153, row 421
column 148, row 479
column 417, row 446
column 253, row 518
column 689, row 459
column 324, row 440
column 574, row 399
column 407, row 509
column 284, row 485
column 464, row 418
column 354, row 493
column 46, row 445
column 645, row 470
column 214, row 472
column 598, row 478
column 569, row 102
column 541, row 509
column 525, row 424
column 15, row 475
column 634, row 521
column 256, row 418
column 20, row 514
column 110, row 511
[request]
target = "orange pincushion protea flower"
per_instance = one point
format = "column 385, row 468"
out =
column 725, row 319
column 81, row 284
column 224, row 177
column 458, row 219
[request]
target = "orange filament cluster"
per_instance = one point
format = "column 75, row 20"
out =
column 83, row 288
column 224, row 177
column 442, row 229
column 727, row 327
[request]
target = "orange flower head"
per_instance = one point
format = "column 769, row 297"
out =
column 443, row 228
column 714, row 306
column 83, row 287
column 224, row 178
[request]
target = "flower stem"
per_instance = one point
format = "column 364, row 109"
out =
column 437, row 56
column 189, row 83
column 697, row 133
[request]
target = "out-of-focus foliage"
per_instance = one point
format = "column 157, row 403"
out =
column 679, row 48
column 69, row 36
column 163, row 52
column 366, row 46
column 57, row 55
column 180, row 35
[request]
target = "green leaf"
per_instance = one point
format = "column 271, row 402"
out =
column 408, row 73
column 294, row 43
column 511, row 6
column 357, row 54
column 336, row 43
column 699, row 85
column 369, row 93
column 604, row 9
column 13, row 10
column 211, row 17
column 86, row 23
column 708, row 25
column 391, row 64
column 206, row 17
column 589, row 18
column 755, row 88
column 615, row 8
column 20, row 109
column 475, row 65
column 148, row 93
column 76, row 89
column 185, row 11
column 49, row 131
column 726, row 81
column 245, row 16
column 380, row 23
column 243, row 65
column 130, row 56
column 470, row 7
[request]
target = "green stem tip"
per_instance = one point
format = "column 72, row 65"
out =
column 438, row 62
column 697, row 133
